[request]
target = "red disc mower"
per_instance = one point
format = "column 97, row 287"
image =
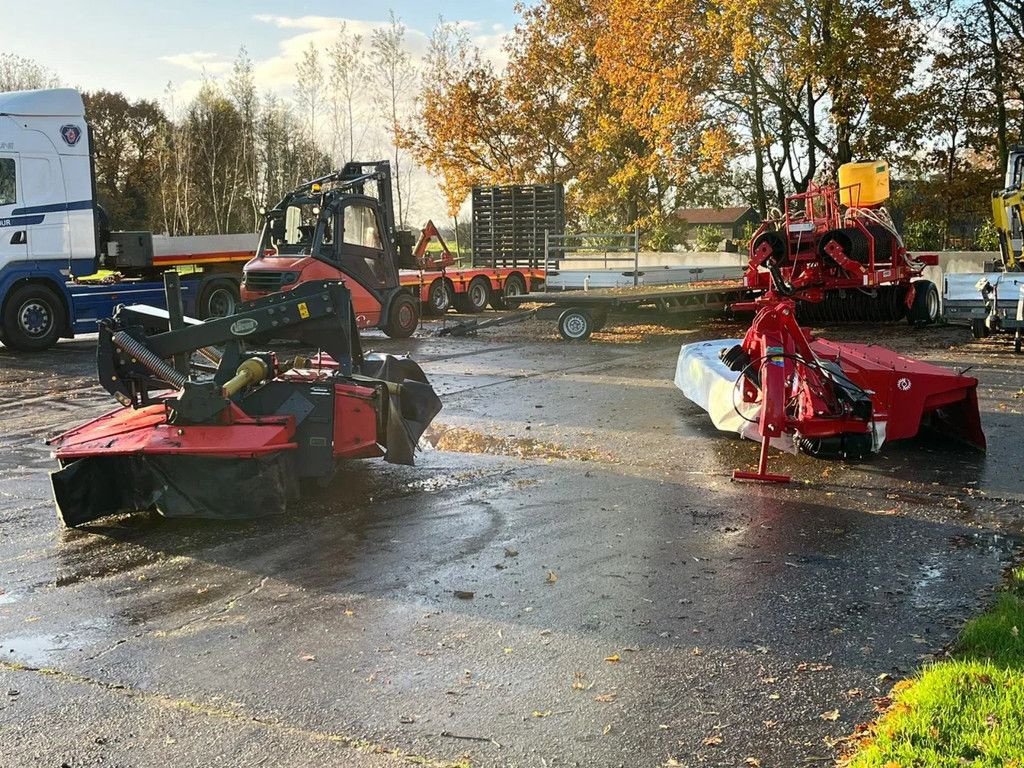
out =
column 783, row 387
column 211, row 427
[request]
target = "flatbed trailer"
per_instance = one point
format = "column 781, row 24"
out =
column 584, row 312
column 471, row 289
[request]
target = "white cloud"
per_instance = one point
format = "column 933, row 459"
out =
column 199, row 61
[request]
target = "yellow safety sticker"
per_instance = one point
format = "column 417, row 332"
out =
column 303, row 310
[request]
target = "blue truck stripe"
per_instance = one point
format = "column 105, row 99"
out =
column 78, row 205
column 21, row 221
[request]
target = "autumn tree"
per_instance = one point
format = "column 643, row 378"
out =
column 346, row 78
column 18, row 73
column 309, row 85
column 393, row 78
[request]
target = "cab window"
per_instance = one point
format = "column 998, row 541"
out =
column 361, row 227
column 8, row 186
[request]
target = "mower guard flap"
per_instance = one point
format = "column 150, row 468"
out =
column 175, row 486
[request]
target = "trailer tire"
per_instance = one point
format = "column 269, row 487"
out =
column 576, row 324
column 403, row 317
column 925, row 308
column 475, row 298
column 220, row 298
column 33, row 318
column 978, row 329
column 515, row 285
column 439, row 297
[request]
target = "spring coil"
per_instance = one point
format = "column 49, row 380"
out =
column 155, row 364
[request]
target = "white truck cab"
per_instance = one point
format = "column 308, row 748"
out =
column 50, row 234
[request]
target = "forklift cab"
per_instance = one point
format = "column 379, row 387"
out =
column 356, row 241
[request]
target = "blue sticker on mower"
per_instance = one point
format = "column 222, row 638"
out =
column 775, row 356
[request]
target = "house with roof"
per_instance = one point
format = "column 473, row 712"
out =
column 733, row 223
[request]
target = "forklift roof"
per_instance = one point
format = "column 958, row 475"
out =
column 51, row 102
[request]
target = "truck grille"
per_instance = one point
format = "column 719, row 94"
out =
column 263, row 281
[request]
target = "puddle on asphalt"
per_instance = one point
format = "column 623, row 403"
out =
column 463, row 440
column 6, row 598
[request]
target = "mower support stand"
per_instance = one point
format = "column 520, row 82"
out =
column 762, row 475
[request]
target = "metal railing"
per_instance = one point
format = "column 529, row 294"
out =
column 590, row 246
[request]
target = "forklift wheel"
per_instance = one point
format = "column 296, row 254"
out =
column 403, row 317
column 576, row 324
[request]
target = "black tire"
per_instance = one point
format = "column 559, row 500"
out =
column 220, row 298
column 576, row 324
column 33, row 318
column 439, row 297
column 1017, row 342
column 515, row 285
column 978, row 329
column 475, row 298
column 403, row 317
column 925, row 309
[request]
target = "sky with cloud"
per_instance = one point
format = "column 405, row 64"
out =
column 139, row 47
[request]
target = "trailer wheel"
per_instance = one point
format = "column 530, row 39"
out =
column 978, row 329
column 514, row 286
column 219, row 299
column 475, row 299
column 33, row 318
column 403, row 317
column 925, row 309
column 439, row 297
column 575, row 324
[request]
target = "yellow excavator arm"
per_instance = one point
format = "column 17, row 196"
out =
column 1008, row 216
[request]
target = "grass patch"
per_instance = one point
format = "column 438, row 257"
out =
column 965, row 711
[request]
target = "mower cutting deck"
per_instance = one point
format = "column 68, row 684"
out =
column 209, row 428
column 783, row 387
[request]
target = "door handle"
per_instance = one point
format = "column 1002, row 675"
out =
column 19, row 238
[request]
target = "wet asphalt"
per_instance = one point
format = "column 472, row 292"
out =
column 569, row 578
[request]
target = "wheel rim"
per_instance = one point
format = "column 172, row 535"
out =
column 575, row 326
column 933, row 305
column 35, row 318
column 406, row 315
column 439, row 297
column 478, row 294
column 513, row 288
column 221, row 303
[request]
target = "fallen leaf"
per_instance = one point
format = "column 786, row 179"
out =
column 604, row 698
column 349, row 612
column 854, row 693
column 753, row 762
column 308, row 657
column 463, row 594
column 579, row 682
column 1015, row 632
column 613, row 659
column 511, row 552
column 713, row 740
column 607, row 729
column 832, row 714
column 538, row 713
column 697, row 651
column 552, row 577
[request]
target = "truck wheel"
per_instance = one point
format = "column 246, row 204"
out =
column 33, row 318
column 475, row 299
column 925, row 309
column 219, row 299
column 439, row 297
column 575, row 324
column 514, row 286
column 403, row 317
